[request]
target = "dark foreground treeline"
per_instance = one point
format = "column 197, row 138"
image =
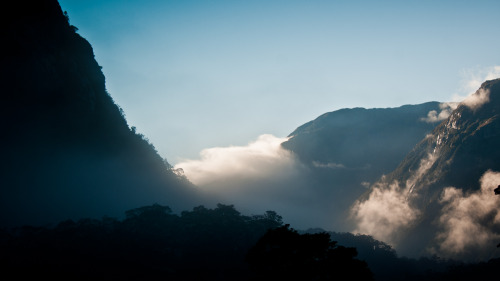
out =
column 152, row 243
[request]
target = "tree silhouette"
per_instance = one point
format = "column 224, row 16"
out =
column 283, row 253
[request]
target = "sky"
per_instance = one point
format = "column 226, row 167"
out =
column 192, row 75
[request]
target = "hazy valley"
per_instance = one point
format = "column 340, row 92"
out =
column 415, row 181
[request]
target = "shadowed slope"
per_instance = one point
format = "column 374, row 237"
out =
column 67, row 148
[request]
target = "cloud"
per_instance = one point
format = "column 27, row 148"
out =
column 384, row 213
column 365, row 184
column 470, row 223
column 477, row 99
column 259, row 159
column 445, row 111
column 470, row 93
column 424, row 166
column 473, row 78
column 387, row 211
column 255, row 178
column 329, row 165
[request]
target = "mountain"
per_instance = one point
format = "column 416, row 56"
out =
column 461, row 149
column 67, row 150
column 347, row 149
column 443, row 188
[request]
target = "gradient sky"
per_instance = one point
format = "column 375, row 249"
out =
column 197, row 74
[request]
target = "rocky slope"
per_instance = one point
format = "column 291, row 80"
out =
column 442, row 191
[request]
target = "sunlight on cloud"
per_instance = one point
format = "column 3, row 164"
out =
column 446, row 108
column 387, row 210
column 477, row 99
column 256, row 177
column 474, row 78
column 384, row 213
column 470, row 222
column 472, row 82
column 258, row 159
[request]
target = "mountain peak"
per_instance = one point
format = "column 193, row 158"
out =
column 455, row 156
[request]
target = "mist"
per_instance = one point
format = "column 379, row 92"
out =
column 470, row 222
column 385, row 213
column 259, row 159
column 445, row 111
column 257, row 177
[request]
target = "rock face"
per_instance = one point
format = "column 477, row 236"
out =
column 460, row 150
column 67, row 150
column 348, row 149
column 444, row 187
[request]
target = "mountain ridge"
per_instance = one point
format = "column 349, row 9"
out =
column 348, row 149
column 443, row 188
column 68, row 150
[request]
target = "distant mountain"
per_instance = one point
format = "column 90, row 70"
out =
column 67, row 151
column 348, row 149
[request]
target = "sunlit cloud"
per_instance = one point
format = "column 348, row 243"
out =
column 256, row 177
column 470, row 94
column 470, row 222
column 477, row 99
column 259, row 159
column 473, row 78
column 445, row 111
column 387, row 211
column 384, row 213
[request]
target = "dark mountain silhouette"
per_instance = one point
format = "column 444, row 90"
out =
column 67, row 151
column 347, row 149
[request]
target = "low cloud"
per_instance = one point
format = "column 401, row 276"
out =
column 387, row 211
column 255, row 178
column 329, row 165
column 473, row 78
column 259, row 159
column 424, row 166
column 470, row 223
column 445, row 111
column 384, row 213
column 477, row 99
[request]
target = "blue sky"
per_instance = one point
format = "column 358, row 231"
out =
column 197, row 74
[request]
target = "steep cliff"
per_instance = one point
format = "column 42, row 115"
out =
column 67, row 150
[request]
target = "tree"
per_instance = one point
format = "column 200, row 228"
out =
column 283, row 253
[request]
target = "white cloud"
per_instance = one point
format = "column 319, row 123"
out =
column 384, row 213
column 257, row 177
column 259, row 159
column 473, row 78
column 387, row 211
column 445, row 111
column 424, row 166
column 470, row 223
column 477, row 99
